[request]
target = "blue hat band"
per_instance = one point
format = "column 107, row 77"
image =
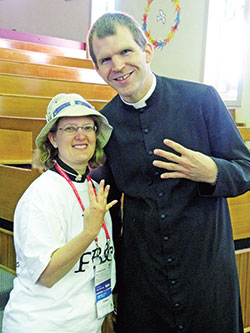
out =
column 63, row 106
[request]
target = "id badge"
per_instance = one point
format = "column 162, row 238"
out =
column 103, row 291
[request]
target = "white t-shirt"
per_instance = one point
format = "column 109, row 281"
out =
column 47, row 217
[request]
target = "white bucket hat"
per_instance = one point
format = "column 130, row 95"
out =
column 73, row 105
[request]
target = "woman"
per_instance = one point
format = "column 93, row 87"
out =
column 62, row 230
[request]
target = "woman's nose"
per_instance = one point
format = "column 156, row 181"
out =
column 80, row 132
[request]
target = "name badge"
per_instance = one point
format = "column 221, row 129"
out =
column 103, row 291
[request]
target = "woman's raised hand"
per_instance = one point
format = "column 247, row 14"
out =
column 98, row 206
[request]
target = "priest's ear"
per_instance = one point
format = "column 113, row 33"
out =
column 149, row 52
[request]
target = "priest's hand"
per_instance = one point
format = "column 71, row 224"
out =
column 186, row 163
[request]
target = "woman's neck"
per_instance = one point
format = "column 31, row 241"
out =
column 75, row 175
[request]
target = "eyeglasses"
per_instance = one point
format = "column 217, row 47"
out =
column 72, row 129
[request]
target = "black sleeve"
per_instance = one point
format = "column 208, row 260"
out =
column 104, row 172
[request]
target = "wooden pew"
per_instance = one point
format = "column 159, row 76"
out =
column 239, row 208
column 24, row 99
column 23, row 106
column 13, row 182
column 34, row 86
column 46, row 49
column 15, row 89
column 26, row 56
column 243, row 266
column 42, row 39
column 33, row 89
column 18, row 68
column 7, row 251
column 32, row 106
column 245, row 132
column 32, row 126
column 15, row 147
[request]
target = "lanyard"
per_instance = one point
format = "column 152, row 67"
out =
column 62, row 173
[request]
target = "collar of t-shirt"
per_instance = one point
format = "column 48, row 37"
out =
column 73, row 175
column 142, row 103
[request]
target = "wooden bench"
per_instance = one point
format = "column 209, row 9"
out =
column 26, row 56
column 239, row 208
column 7, row 251
column 18, row 68
column 243, row 266
column 15, row 147
column 46, row 49
column 13, row 182
column 32, row 106
column 42, row 39
column 32, row 126
column 11, row 85
column 245, row 132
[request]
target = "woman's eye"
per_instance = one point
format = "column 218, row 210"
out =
column 88, row 128
column 69, row 129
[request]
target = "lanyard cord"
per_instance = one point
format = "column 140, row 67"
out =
column 62, row 173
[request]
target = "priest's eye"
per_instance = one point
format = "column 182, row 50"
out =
column 105, row 61
column 126, row 51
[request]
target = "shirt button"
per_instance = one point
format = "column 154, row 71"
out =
column 181, row 327
column 150, row 153
column 177, row 305
column 157, row 174
column 160, row 194
column 169, row 260
column 173, row 282
column 166, row 238
column 146, row 131
column 163, row 216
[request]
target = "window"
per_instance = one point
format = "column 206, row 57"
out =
column 225, row 48
column 100, row 7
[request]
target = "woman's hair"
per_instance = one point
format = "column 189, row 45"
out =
column 45, row 156
column 106, row 26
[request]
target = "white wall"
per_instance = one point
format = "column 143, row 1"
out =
column 182, row 58
column 57, row 18
column 243, row 113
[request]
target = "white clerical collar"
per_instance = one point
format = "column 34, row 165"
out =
column 142, row 102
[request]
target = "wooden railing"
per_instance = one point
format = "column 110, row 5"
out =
column 243, row 265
